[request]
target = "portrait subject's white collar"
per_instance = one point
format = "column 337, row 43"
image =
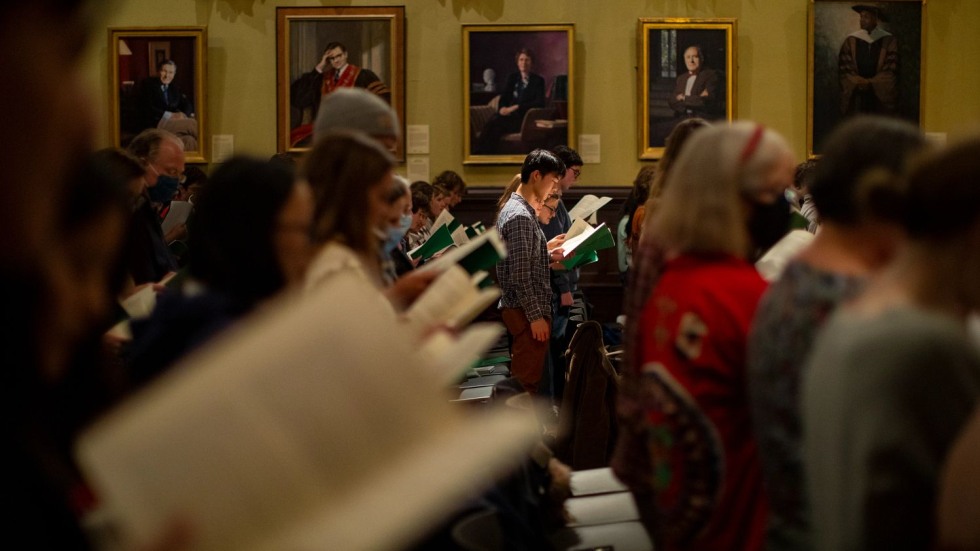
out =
column 877, row 34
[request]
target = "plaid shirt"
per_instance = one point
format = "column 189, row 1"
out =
column 524, row 276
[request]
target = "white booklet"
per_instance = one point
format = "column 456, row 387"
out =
column 771, row 265
column 141, row 303
column 459, row 236
column 304, row 427
column 453, row 299
column 596, row 481
column 443, row 219
column 587, row 205
column 479, row 253
column 178, row 213
column 444, row 353
column 569, row 246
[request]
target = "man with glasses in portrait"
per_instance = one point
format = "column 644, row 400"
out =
column 332, row 72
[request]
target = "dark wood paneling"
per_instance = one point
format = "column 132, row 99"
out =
column 600, row 282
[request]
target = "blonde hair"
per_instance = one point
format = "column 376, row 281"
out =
column 701, row 209
column 515, row 182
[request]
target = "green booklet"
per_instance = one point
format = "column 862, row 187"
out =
column 588, row 241
column 480, row 254
column 580, row 260
column 438, row 241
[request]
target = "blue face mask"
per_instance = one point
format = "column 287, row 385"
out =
column 394, row 235
column 165, row 189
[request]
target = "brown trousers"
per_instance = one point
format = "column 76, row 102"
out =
column 526, row 354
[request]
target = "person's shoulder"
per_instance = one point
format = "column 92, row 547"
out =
column 513, row 209
column 709, row 73
column 515, row 213
column 148, row 83
column 367, row 73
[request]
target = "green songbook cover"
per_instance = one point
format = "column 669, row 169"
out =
column 580, row 260
column 438, row 241
column 598, row 239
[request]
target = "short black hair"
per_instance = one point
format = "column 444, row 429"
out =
column 569, row 157
column 420, row 200
column 543, row 161
column 333, row 45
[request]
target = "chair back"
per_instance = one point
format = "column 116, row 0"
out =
column 587, row 420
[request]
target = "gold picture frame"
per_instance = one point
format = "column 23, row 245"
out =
column 137, row 100
column 491, row 77
column 836, row 89
column 374, row 40
column 665, row 94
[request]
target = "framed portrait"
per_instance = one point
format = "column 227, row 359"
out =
column 517, row 90
column 157, row 80
column 321, row 49
column 687, row 69
column 862, row 57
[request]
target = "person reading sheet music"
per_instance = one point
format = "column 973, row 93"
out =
column 523, row 275
column 563, row 282
column 243, row 252
column 354, row 188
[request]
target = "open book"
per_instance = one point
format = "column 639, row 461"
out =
column 587, row 205
column 460, row 237
column 141, row 303
column 476, row 229
column 177, row 214
column 586, row 240
column 771, row 265
column 437, row 242
column 444, row 219
column 480, row 253
column 298, row 429
column 453, row 299
column 446, row 353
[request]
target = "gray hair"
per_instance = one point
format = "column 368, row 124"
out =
column 146, row 145
column 701, row 208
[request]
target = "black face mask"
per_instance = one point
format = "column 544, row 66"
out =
column 768, row 224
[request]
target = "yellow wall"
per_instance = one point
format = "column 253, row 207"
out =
column 771, row 85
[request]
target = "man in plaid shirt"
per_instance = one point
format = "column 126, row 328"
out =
column 524, row 276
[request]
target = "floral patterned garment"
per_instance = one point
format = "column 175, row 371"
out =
column 786, row 322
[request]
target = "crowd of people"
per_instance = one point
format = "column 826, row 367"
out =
column 818, row 411
column 834, row 407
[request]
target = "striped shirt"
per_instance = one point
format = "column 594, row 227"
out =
column 524, row 276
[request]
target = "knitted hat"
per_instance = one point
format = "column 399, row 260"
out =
column 356, row 109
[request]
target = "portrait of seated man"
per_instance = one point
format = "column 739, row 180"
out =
column 697, row 92
column 332, row 72
column 162, row 104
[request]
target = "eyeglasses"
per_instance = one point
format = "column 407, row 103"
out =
column 577, row 172
column 549, row 207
